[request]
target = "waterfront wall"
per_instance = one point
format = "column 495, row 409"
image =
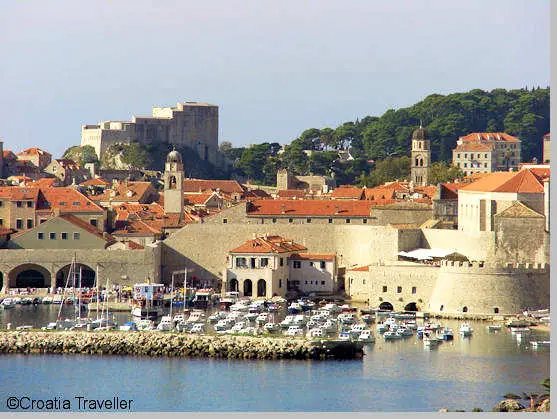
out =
column 175, row 345
column 487, row 288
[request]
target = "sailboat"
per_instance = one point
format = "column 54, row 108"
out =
column 147, row 301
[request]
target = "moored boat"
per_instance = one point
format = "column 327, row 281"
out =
column 148, row 301
column 465, row 329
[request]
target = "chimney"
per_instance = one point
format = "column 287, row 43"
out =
column 282, row 209
column 336, row 209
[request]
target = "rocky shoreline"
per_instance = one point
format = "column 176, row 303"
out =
column 155, row 344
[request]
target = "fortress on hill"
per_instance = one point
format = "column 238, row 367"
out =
column 191, row 124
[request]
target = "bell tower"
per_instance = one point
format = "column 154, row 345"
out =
column 421, row 157
column 174, row 184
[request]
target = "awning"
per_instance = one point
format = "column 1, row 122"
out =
column 427, row 254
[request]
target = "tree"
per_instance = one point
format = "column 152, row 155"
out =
column 442, row 172
column 134, row 155
column 81, row 155
column 296, row 159
column 321, row 162
column 390, row 169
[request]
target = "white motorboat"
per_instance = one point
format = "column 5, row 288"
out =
column 390, row 335
column 47, row 300
column 465, row 329
column 494, row 327
column 368, row 318
column 345, row 336
column 294, row 331
column 540, row 343
column 145, row 325
column 366, row 336
column 166, row 324
column 8, row 303
column 148, row 301
column 198, row 328
column 271, row 327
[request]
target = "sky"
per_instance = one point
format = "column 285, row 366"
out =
column 274, row 68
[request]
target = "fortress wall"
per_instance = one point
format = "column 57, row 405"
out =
column 124, row 267
column 483, row 287
column 475, row 246
column 521, row 240
column 368, row 286
column 203, row 247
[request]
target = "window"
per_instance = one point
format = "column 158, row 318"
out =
column 330, row 221
column 75, row 204
column 1, row 203
column 52, row 236
column 441, row 308
column 322, row 264
column 297, row 264
column 413, row 290
column 62, row 204
column 252, row 263
column 348, row 221
column 364, row 282
column 485, row 156
column 399, row 289
column 290, row 220
column 465, row 156
column 458, row 156
column 364, row 221
column 280, row 283
column 1, row 221
column 19, row 204
column 241, row 263
column 465, row 165
column 496, row 310
column 225, row 220
column 464, row 309
column 42, row 220
column 274, row 220
column 308, row 220
column 485, row 164
column 322, row 282
column 19, row 223
column 311, row 264
column 471, row 156
column 93, row 222
column 306, row 282
column 281, row 262
column 29, row 204
column 76, row 236
column 64, row 236
column 29, row 223
column 264, row 262
column 384, row 288
column 40, row 236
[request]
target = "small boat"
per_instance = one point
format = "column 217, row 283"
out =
column 26, row 327
column 366, row 336
column 294, row 308
column 8, row 303
column 271, row 327
column 148, row 301
column 404, row 331
column 273, row 307
column 368, row 318
column 26, row 301
column 47, row 300
column 145, row 325
column 344, row 336
column 37, row 301
column 493, row 327
column 520, row 329
column 166, row 324
column 465, row 329
column 382, row 328
column 540, row 343
column 128, row 327
column 390, row 335
column 447, row 334
column 306, row 305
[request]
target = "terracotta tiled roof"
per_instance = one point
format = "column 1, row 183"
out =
column 47, row 182
column 311, row 207
column 360, row 269
column 9, row 155
column 519, row 210
column 257, row 193
column 95, row 182
column 204, row 185
column 291, row 193
column 34, row 151
column 489, row 136
column 312, row 256
column 19, row 193
column 386, row 191
column 269, row 244
column 470, row 146
column 541, row 173
column 347, row 192
column 197, row 198
column 513, row 182
column 125, row 191
column 449, row 190
column 67, row 163
column 68, row 200
column 428, row 191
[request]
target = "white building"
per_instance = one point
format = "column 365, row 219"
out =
column 265, row 267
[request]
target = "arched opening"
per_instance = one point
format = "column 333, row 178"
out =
column 172, row 182
column 496, row 310
column 233, row 285
column 464, row 309
column 411, row 307
column 417, row 162
column 29, row 276
column 87, row 277
column 421, row 162
column 261, row 288
column 1, row 280
column 247, row 288
column 386, row 306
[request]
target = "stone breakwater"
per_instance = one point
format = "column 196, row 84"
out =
column 175, row 345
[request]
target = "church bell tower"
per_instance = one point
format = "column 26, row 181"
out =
column 174, row 184
column 421, row 157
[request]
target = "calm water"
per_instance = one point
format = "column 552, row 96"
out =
column 393, row 376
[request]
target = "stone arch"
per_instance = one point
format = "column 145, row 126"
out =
column 496, row 310
column 172, row 182
column 417, row 162
column 261, row 288
column 248, row 288
column 465, row 309
column 29, row 275
column 385, row 305
column 1, row 280
column 411, row 307
column 233, row 285
column 87, row 279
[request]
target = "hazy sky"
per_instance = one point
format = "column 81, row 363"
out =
column 273, row 68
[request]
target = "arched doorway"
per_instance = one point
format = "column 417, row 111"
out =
column 29, row 276
column 465, row 309
column 386, row 306
column 233, row 285
column 87, row 276
column 411, row 307
column 261, row 288
column 247, row 288
column 1, row 280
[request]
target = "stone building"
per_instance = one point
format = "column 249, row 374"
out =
column 190, row 124
column 174, row 184
column 67, row 171
column 546, row 148
column 39, row 158
column 318, row 184
column 420, row 158
column 487, row 152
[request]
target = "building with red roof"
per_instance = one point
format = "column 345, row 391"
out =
column 39, row 158
column 272, row 265
column 347, row 192
column 487, row 152
column 67, row 171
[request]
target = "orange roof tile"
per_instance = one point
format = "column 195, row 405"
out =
column 310, row 207
column 312, row 256
column 291, row 193
column 347, row 192
column 512, row 182
column 95, row 182
column 34, row 151
column 269, row 244
column 470, row 146
column 360, row 269
column 257, row 193
column 19, row 193
column 428, row 191
column 47, row 182
column 203, row 185
column 197, row 198
column 68, row 199
column 449, row 190
column 125, row 191
column 488, row 137
column 541, row 173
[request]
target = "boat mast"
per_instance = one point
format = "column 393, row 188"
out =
column 171, row 292
column 97, row 283
column 185, row 285
column 64, row 291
